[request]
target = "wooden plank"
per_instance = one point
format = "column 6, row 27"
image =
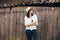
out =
column 7, row 26
column 2, row 26
column 58, row 26
column 14, row 27
column 18, row 27
column 11, row 25
column 22, row 26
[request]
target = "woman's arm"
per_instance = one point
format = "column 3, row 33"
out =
column 35, row 20
column 29, row 24
column 32, row 24
column 35, row 23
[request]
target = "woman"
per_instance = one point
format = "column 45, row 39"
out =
column 31, row 23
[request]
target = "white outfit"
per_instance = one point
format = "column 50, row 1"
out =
column 29, row 20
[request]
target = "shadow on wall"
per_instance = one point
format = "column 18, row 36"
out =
column 58, row 35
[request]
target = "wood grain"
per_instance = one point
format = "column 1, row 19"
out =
column 12, row 23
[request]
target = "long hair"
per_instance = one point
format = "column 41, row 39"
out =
column 28, row 14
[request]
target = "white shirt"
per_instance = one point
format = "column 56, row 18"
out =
column 29, row 20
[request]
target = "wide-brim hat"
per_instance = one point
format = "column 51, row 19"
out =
column 28, row 8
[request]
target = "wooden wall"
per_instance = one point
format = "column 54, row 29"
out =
column 12, row 23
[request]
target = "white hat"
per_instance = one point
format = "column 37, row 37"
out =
column 27, row 9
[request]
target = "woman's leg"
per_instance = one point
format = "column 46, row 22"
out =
column 34, row 34
column 28, row 34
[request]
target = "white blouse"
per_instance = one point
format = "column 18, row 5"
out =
column 29, row 20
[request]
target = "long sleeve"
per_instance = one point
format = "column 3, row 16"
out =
column 25, row 21
column 35, row 18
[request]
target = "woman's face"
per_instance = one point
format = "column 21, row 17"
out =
column 31, row 12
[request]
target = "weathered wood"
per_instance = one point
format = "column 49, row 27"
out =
column 12, row 23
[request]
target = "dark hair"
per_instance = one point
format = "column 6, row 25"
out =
column 29, row 13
